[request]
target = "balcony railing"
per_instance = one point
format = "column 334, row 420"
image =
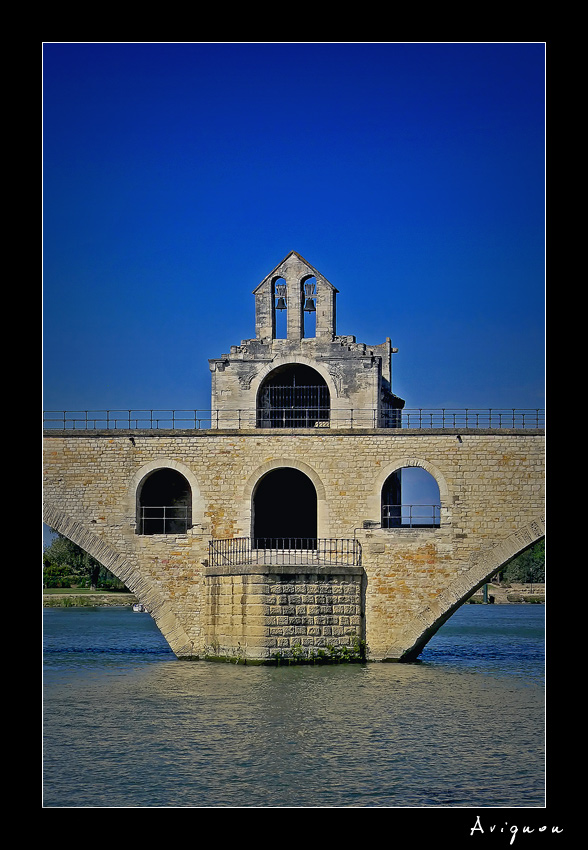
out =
column 242, row 419
column 164, row 519
column 411, row 516
column 285, row 551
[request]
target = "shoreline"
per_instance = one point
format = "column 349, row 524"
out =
column 512, row 594
column 83, row 599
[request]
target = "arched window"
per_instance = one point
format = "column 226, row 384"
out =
column 280, row 296
column 410, row 499
column 308, row 296
column 293, row 396
column 164, row 503
column 285, row 511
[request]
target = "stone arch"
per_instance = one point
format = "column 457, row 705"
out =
column 118, row 564
column 374, row 500
column 285, row 510
column 166, row 463
column 293, row 395
column 308, row 286
column 286, row 463
column 278, row 362
column 483, row 564
column 279, row 297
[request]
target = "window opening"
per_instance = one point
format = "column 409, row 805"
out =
column 281, row 310
column 165, row 504
column 293, row 397
column 309, row 310
column 285, row 511
column 410, row 499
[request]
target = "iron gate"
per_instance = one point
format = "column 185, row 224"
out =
column 293, row 407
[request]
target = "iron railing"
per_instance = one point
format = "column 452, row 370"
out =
column 285, row 551
column 411, row 516
column 244, row 419
column 72, row 420
column 164, row 519
column 473, row 418
column 293, row 417
column 293, row 406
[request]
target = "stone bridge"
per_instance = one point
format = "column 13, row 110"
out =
column 285, row 522
column 180, row 515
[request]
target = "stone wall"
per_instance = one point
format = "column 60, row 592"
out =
column 491, row 494
column 287, row 612
column 358, row 376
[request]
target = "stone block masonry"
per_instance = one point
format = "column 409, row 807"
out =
column 491, row 498
column 307, row 445
column 294, row 612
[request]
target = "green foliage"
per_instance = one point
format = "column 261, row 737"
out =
column 67, row 565
column 355, row 652
column 528, row 567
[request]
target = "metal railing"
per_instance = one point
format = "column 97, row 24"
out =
column 285, row 551
column 293, row 406
column 164, row 519
column 411, row 516
column 473, row 418
column 134, row 420
column 246, row 419
column 293, row 417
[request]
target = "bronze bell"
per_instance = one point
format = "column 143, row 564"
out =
column 281, row 305
column 309, row 306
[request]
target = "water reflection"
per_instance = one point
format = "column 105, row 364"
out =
column 128, row 725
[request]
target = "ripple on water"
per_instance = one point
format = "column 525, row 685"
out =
column 126, row 724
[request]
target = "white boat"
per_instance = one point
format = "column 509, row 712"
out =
column 138, row 608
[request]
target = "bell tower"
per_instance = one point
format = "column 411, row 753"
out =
column 296, row 288
column 298, row 372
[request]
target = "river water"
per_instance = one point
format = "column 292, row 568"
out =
column 126, row 724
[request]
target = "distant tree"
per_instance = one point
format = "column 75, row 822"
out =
column 63, row 560
column 528, row 567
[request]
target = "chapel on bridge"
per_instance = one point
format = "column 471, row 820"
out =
column 297, row 372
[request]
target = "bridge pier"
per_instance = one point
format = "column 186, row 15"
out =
column 269, row 612
column 305, row 439
column 409, row 579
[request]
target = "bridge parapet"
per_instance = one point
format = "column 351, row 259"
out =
column 285, row 552
column 408, row 579
column 243, row 419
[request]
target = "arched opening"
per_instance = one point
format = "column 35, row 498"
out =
column 280, row 301
column 410, row 499
column 164, row 503
column 308, row 296
column 284, row 511
column 293, row 396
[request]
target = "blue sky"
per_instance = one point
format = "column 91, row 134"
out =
column 176, row 176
